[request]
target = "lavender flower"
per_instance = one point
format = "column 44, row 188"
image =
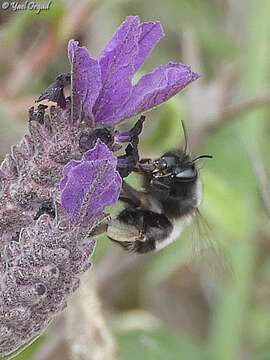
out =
column 56, row 184
column 42, row 254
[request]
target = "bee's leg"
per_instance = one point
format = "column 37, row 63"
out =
column 160, row 187
column 128, row 195
column 145, row 166
column 131, row 195
column 139, row 230
column 100, row 227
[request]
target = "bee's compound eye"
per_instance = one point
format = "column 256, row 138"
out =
column 162, row 164
column 186, row 174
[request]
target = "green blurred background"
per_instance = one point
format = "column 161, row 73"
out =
column 206, row 296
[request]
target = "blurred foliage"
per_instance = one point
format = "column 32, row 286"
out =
column 203, row 316
column 157, row 345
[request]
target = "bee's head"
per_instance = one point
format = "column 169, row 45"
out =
column 175, row 173
column 175, row 165
column 172, row 171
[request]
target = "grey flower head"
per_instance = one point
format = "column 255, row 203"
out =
column 56, row 184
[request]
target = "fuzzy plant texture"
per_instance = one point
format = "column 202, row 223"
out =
column 56, row 184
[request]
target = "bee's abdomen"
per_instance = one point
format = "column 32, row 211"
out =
column 139, row 230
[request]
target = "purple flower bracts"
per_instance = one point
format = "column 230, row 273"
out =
column 89, row 185
column 116, row 99
column 86, row 83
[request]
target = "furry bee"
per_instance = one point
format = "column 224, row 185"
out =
column 155, row 217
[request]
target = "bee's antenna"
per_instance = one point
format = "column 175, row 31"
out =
column 202, row 157
column 185, row 136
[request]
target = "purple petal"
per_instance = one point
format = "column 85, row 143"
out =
column 151, row 33
column 101, row 153
column 90, row 185
column 117, row 68
column 103, row 89
column 66, row 171
column 109, row 196
column 154, row 89
column 86, row 79
column 124, row 55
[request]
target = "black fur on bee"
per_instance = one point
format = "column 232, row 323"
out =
column 143, row 227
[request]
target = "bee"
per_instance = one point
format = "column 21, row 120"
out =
column 155, row 217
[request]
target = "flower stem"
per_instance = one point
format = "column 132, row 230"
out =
column 87, row 333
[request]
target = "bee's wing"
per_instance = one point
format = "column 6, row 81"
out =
column 207, row 253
